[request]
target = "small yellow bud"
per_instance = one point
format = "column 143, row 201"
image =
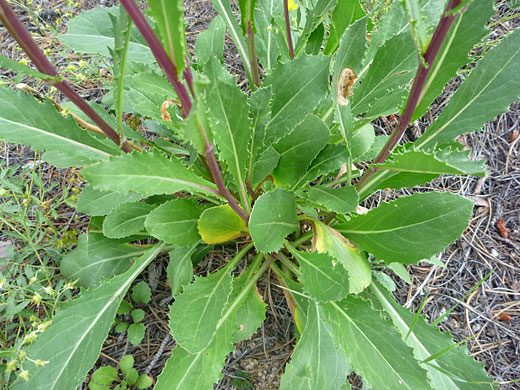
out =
column 34, row 279
column 24, row 375
column 23, row 61
column 48, row 290
column 45, row 325
column 11, row 365
column 269, row 28
column 22, row 355
column 292, row 5
column 82, row 63
column 28, row 339
column 47, row 52
column 37, row 298
column 40, row 363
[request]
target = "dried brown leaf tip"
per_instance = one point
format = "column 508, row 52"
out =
column 165, row 115
column 514, row 136
column 501, row 227
column 345, row 84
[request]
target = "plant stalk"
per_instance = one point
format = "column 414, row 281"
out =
column 288, row 28
column 163, row 59
column 29, row 46
column 219, row 181
column 423, row 71
column 250, row 40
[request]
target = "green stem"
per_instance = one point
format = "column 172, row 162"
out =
column 250, row 41
column 233, row 263
column 238, row 300
column 306, row 237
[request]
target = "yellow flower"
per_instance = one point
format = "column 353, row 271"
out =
column 24, row 375
column 292, row 5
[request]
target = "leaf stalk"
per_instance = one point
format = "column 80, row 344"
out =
column 288, row 28
column 29, row 46
column 423, row 70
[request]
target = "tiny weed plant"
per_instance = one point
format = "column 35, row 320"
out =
column 278, row 172
column 107, row 377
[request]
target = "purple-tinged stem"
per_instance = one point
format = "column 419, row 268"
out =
column 250, row 39
column 217, row 177
column 288, row 28
column 163, row 59
column 29, row 46
column 188, row 76
column 438, row 37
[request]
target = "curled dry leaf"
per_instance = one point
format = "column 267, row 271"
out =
column 514, row 136
column 165, row 115
column 501, row 227
column 345, row 84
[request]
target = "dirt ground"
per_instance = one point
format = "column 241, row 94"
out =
column 490, row 315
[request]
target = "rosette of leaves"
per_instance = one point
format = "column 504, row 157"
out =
column 276, row 172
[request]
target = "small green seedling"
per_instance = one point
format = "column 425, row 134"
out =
column 107, row 377
column 141, row 294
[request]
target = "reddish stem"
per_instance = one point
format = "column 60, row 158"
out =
column 438, row 37
column 163, row 59
column 288, row 28
column 29, row 46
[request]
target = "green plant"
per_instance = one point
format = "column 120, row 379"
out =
column 141, row 293
column 104, row 377
column 292, row 154
column 30, row 288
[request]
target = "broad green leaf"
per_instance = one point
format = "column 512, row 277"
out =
column 362, row 141
column 467, row 31
column 260, row 113
column 198, row 308
column 64, row 160
column 328, row 240
column 315, row 362
column 180, row 268
column 313, row 17
column 141, row 293
column 46, row 128
column 146, row 93
column 183, row 369
column 97, row 203
column 344, row 15
column 102, row 377
column 265, row 40
column 340, row 200
column 417, row 24
column 382, row 89
column 96, row 258
column 91, row 33
column 322, row 280
column 487, row 92
column 224, row 10
column 273, row 218
column 169, row 18
column 230, row 123
column 298, row 149
column 372, row 346
column 351, row 50
column 175, row 222
column 410, row 160
column 265, row 165
column 315, row 41
column 210, row 42
column 395, row 22
column 464, row 372
column 126, row 219
column 410, row 228
column 72, row 343
column 250, row 313
column 147, row 173
column 136, row 333
column 220, row 224
column 6, row 62
column 328, row 160
column 298, row 86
